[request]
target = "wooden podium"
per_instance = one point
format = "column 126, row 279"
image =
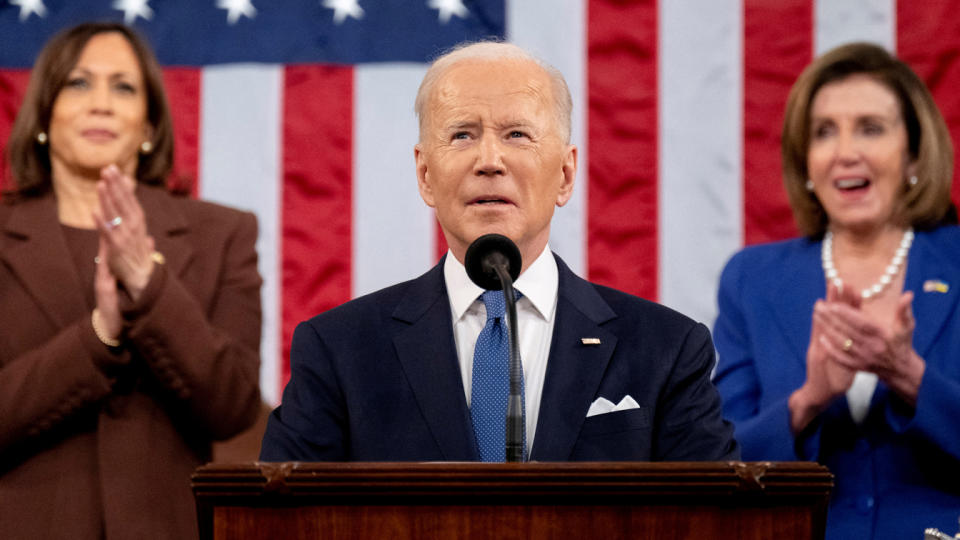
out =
column 605, row 501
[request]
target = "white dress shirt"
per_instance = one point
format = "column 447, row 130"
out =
column 860, row 394
column 536, row 313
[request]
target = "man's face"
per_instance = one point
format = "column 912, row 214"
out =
column 491, row 157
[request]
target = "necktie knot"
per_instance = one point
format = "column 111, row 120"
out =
column 495, row 304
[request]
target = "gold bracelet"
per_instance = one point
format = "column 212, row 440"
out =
column 108, row 341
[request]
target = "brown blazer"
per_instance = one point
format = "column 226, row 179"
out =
column 96, row 442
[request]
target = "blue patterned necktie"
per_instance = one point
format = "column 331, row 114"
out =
column 491, row 381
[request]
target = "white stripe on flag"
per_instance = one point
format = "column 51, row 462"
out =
column 394, row 232
column 555, row 30
column 701, row 147
column 854, row 20
column 240, row 167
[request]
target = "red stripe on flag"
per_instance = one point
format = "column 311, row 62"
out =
column 622, row 193
column 183, row 95
column 316, row 199
column 183, row 91
column 928, row 39
column 777, row 45
column 13, row 85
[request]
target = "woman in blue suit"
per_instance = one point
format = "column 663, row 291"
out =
column 843, row 346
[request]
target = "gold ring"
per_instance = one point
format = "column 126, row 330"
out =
column 847, row 345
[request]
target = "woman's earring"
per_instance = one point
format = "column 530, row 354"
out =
column 809, row 186
column 146, row 147
column 913, row 180
column 42, row 137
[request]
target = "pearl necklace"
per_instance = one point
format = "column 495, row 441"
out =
column 826, row 254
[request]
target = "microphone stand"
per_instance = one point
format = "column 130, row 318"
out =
column 493, row 262
column 515, row 427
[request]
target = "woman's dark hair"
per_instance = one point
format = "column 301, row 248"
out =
column 30, row 160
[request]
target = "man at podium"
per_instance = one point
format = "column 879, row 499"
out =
column 417, row 372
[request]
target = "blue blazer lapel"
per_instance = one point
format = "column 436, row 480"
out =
column 791, row 294
column 574, row 370
column 931, row 309
column 427, row 353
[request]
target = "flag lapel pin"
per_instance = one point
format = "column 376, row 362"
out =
column 935, row 285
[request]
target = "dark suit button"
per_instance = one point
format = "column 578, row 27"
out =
column 865, row 504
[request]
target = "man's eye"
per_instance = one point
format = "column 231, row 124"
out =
column 461, row 135
column 517, row 134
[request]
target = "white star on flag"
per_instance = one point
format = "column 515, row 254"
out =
column 236, row 8
column 447, row 8
column 343, row 9
column 28, row 7
column 133, row 9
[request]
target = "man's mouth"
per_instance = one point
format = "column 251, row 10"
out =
column 489, row 201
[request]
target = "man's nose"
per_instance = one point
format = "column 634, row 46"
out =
column 489, row 156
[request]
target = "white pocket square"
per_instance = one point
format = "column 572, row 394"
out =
column 604, row 406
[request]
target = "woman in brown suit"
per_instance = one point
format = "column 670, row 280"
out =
column 130, row 318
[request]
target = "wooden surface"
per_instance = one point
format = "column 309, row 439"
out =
column 532, row 500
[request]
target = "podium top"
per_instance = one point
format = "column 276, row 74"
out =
column 670, row 480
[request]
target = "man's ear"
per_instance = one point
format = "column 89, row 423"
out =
column 423, row 176
column 569, row 172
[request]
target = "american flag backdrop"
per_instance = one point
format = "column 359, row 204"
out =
column 302, row 111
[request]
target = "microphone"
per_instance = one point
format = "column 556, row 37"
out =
column 493, row 261
column 489, row 253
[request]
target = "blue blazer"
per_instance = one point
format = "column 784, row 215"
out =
column 899, row 471
column 377, row 379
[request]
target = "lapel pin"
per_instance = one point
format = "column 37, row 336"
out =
column 590, row 340
column 935, row 285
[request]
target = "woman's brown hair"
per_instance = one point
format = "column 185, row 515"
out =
column 30, row 160
column 925, row 205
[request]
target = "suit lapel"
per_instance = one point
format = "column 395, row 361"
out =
column 168, row 226
column 932, row 308
column 426, row 350
column 37, row 254
column 574, row 370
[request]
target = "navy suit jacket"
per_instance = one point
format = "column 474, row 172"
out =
column 377, row 379
column 899, row 471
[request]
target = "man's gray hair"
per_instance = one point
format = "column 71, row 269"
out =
column 495, row 50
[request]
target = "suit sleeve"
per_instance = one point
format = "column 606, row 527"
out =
column 693, row 427
column 763, row 430
column 311, row 424
column 208, row 360
column 936, row 412
column 45, row 386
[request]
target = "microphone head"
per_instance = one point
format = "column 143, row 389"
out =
column 487, row 251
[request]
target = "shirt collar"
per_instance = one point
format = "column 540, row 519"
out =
column 538, row 283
